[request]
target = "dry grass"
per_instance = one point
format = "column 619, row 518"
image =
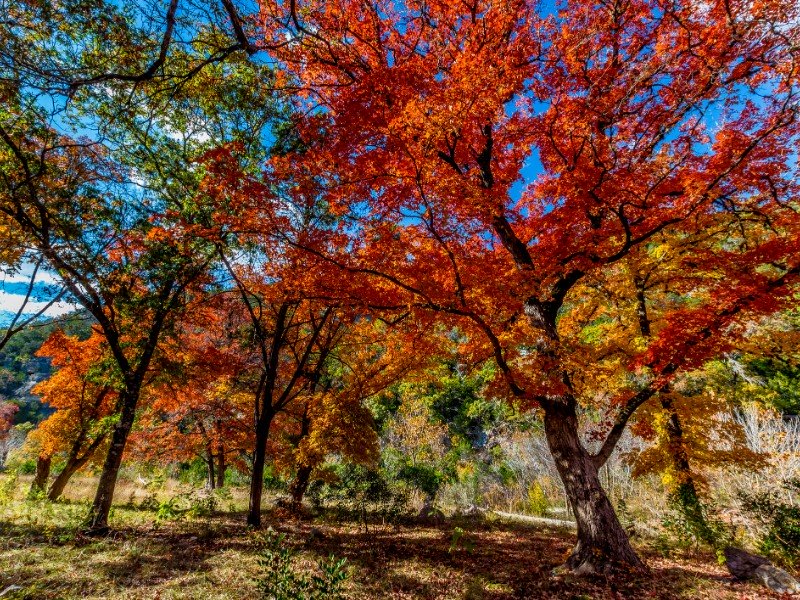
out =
column 42, row 552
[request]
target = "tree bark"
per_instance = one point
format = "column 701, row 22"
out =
column 39, row 483
column 257, row 477
column 685, row 494
column 74, row 462
column 299, row 486
column 603, row 544
column 97, row 523
column 211, row 480
column 61, row 480
column 221, row 468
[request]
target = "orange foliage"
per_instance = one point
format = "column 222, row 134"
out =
column 81, row 391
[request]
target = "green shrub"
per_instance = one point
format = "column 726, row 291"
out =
column 280, row 580
column 694, row 522
column 359, row 492
column 781, row 521
column 8, row 486
column 460, row 539
column 170, row 510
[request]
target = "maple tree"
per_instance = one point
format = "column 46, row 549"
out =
column 197, row 403
column 83, row 394
column 332, row 418
column 291, row 339
column 488, row 158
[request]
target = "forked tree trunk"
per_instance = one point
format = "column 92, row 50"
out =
column 39, row 483
column 221, row 468
column 97, row 523
column 257, row 477
column 603, row 544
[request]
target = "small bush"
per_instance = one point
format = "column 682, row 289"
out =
column 280, row 580
column 537, row 500
column 780, row 520
column 8, row 487
column 694, row 522
column 460, row 539
column 359, row 492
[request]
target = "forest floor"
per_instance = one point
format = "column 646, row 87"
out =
column 44, row 556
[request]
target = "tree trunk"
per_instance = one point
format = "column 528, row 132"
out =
column 39, row 484
column 97, row 523
column 299, row 486
column 60, row 482
column 221, row 468
column 603, row 544
column 211, row 480
column 73, row 464
column 685, row 493
column 257, row 477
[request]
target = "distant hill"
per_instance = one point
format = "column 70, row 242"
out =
column 21, row 370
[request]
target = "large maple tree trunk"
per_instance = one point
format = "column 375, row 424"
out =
column 257, row 478
column 97, row 523
column 39, row 483
column 603, row 544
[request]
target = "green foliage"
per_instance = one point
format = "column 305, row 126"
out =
column 693, row 521
column 456, row 400
column 423, row 477
column 460, row 539
column 359, row 492
column 280, row 580
column 193, row 504
column 781, row 378
column 169, row 510
column 7, row 488
column 781, row 521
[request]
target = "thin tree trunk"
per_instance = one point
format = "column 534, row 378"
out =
column 211, row 480
column 97, row 523
column 603, row 544
column 221, row 468
column 257, row 477
column 299, row 486
column 39, row 484
column 685, row 493
column 61, row 480
column 74, row 463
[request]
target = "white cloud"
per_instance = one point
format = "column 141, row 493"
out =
column 13, row 302
column 23, row 274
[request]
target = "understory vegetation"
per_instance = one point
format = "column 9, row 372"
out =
column 199, row 554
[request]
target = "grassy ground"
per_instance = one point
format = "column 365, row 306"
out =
column 214, row 557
